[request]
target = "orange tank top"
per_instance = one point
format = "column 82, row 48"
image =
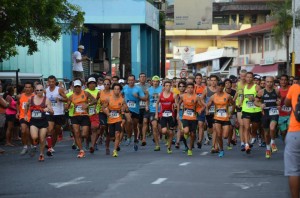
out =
column 115, row 106
column 189, row 107
column 23, row 102
column 78, row 101
column 221, row 107
column 199, row 91
column 104, row 98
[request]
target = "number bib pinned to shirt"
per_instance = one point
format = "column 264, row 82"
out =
column 24, row 105
column 250, row 104
column 92, row 110
column 212, row 109
column 142, row 104
column 167, row 114
column 79, row 109
column 286, row 109
column 36, row 114
column 189, row 113
column 114, row 114
column 273, row 111
column 131, row 104
column 221, row 113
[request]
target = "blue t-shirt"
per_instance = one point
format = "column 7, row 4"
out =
column 153, row 97
column 133, row 103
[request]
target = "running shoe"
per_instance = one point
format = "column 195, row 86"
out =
column 157, row 148
column 263, row 144
column 49, row 152
column 41, row 158
column 169, row 151
column 233, row 142
column 81, row 154
column 73, row 146
column 135, row 147
column 115, row 153
column 251, row 145
column 107, row 152
column 143, row 144
column 32, row 151
column 24, row 151
column 199, row 145
column 128, row 142
column 268, row 154
column 243, row 147
column 92, row 150
column 274, row 148
column 177, row 145
column 248, row 149
column 190, row 152
column 229, row 147
column 185, row 149
column 213, row 150
column 118, row 148
column 221, row 153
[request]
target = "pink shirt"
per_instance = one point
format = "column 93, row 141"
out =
column 10, row 110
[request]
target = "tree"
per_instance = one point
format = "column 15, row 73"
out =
column 282, row 13
column 24, row 22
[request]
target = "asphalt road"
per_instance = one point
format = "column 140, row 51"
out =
column 144, row 173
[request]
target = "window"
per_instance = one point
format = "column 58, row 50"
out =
column 241, row 16
column 267, row 43
column 254, row 19
column 221, row 19
column 248, row 47
column 253, row 45
column 273, row 47
column 259, row 44
column 242, row 47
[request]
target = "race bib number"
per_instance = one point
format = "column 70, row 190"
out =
column 92, row 110
column 286, row 109
column 250, row 104
column 212, row 109
column 54, row 103
column 241, row 96
column 79, row 109
column 154, row 103
column 36, row 114
column 131, row 104
column 221, row 113
column 189, row 113
column 167, row 114
column 142, row 103
column 273, row 111
column 24, row 105
column 114, row 114
column 199, row 95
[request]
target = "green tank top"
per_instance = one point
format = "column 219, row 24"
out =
column 240, row 92
column 71, row 109
column 248, row 106
column 94, row 93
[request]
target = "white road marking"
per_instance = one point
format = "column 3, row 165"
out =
column 204, row 153
column 184, row 163
column 245, row 186
column 159, row 181
column 71, row 182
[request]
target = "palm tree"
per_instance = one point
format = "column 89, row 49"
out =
column 282, row 13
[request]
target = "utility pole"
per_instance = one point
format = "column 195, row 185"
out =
column 294, row 28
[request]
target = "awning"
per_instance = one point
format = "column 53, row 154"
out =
column 214, row 54
column 224, row 69
column 266, row 70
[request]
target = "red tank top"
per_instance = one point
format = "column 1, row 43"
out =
column 284, row 110
column 37, row 111
column 166, row 105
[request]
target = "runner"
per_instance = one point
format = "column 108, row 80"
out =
column 154, row 92
column 133, row 95
column 167, row 113
column 37, row 106
column 250, row 113
column 269, row 100
column 143, row 125
column 93, row 113
column 238, row 101
column 284, row 112
column 57, row 97
column 199, row 89
column 114, row 108
column 189, row 118
column 81, row 100
column 222, row 102
column 21, row 104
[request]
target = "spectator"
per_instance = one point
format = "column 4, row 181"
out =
column 77, row 63
column 10, row 112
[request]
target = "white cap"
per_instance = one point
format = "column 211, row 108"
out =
column 77, row 83
column 81, row 47
column 91, row 79
column 121, row 81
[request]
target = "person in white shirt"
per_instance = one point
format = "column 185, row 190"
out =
column 77, row 63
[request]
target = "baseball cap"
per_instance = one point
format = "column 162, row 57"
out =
column 256, row 76
column 121, row 81
column 80, row 47
column 77, row 83
column 91, row 79
column 156, row 78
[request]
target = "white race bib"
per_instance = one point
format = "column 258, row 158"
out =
column 154, row 103
column 221, row 113
column 286, row 109
column 78, row 109
column 189, row 113
column 212, row 109
column 167, row 114
column 131, row 104
column 24, row 105
column 142, row 103
column 36, row 114
column 92, row 110
column 273, row 111
column 114, row 114
column 53, row 103
column 250, row 104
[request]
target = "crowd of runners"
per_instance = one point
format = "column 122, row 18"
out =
column 186, row 113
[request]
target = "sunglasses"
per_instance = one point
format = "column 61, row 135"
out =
column 77, row 86
column 181, row 86
column 37, row 90
column 106, row 84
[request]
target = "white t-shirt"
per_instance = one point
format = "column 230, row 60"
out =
column 77, row 66
column 100, row 87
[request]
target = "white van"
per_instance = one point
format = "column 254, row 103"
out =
column 9, row 78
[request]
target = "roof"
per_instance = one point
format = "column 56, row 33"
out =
column 214, row 54
column 258, row 69
column 258, row 29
